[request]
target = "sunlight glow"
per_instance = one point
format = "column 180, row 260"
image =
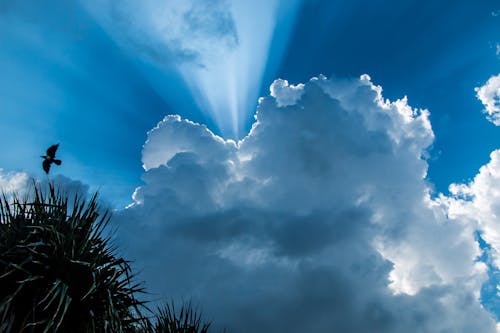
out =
column 220, row 49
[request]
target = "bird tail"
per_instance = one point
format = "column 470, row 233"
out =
column 57, row 162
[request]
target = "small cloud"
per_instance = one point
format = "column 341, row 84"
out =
column 489, row 95
column 495, row 13
column 286, row 94
column 20, row 183
column 13, row 182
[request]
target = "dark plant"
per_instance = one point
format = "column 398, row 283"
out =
column 58, row 271
column 185, row 320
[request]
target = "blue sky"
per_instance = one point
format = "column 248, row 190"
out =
column 97, row 78
column 66, row 79
column 436, row 53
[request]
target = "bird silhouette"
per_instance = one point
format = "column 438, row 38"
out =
column 50, row 158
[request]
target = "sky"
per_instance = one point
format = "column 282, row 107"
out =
column 304, row 165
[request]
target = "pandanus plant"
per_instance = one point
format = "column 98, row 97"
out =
column 58, row 270
column 60, row 273
column 185, row 320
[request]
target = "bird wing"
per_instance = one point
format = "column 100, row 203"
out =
column 46, row 166
column 51, row 152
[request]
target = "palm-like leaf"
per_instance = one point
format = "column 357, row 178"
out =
column 58, row 271
column 168, row 320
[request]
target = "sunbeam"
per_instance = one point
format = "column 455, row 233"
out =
column 220, row 49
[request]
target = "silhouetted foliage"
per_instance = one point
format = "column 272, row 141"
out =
column 168, row 320
column 58, row 271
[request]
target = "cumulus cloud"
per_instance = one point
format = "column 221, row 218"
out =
column 284, row 93
column 320, row 219
column 13, row 182
column 480, row 201
column 21, row 185
column 489, row 95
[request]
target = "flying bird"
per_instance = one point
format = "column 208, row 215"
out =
column 50, row 158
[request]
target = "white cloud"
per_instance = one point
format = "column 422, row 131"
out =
column 489, row 95
column 21, row 185
column 13, row 182
column 479, row 201
column 284, row 93
column 319, row 219
column 182, row 136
